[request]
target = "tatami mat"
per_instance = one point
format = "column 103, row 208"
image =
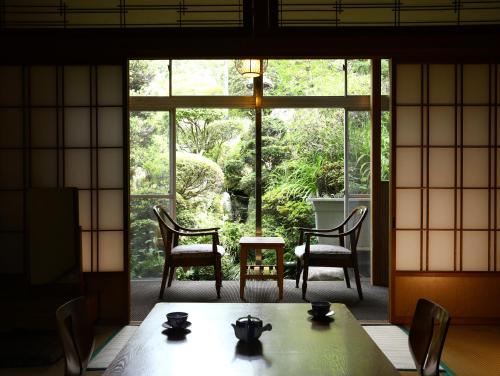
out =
column 107, row 352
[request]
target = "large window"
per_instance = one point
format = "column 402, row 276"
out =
column 210, row 110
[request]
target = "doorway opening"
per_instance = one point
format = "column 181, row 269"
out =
column 193, row 144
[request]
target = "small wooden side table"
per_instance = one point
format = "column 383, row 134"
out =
column 259, row 271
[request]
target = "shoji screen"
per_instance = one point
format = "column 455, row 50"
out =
column 62, row 126
column 447, row 174
column 446, row 168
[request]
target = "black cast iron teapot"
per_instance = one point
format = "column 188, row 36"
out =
column 249, row 328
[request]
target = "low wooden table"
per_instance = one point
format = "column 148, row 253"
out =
column 295, row 346
column 259, row 271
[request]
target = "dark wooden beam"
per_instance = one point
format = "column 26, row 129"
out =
column 443, row 43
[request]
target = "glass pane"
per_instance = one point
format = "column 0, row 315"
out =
column 304, row 77
column 385, row 88
column 359, row 175
column 149, row 186
column 359, row 77
column 302, row 158
column 215, row 179
column 386, row 146
column 208, row 77
column 149, row 152
column 146, row 246
column 359, row 152
column 148, row 77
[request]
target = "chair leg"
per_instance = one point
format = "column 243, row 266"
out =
column 163, row 280
column 297, row 273
column 358, row 282
column 305, row 274
column 218, row 275
column 346, row 275
column 171, row 275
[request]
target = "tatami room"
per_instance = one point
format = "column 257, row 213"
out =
column 392, row 107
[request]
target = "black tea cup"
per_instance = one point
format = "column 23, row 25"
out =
column 320, row 308
column 177, row 319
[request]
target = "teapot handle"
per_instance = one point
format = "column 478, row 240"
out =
column 267, row 327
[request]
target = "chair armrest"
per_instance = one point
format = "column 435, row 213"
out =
column 308, row 234
column 303, row 230
column 208, row 233
column 318, row 229
column 323, row 235
column 199, row 229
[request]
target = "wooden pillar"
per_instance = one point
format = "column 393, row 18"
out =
column 378, row 258
column 258, row 87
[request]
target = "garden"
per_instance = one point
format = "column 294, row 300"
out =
column 302, row 153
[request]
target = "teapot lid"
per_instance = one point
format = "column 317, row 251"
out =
column 249, row 320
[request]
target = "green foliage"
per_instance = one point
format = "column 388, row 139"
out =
column 197, row 176
column 141, row 73
column 305, row 77
column 230, row 235
column 148, row 77
column 229, row 271
column 146, row 258
column 149, row 163
column 204, row 131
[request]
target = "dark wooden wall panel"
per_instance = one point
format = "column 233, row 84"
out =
column 471, row 298
column 108, row 297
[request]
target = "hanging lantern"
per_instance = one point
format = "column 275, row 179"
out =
column 250, row 68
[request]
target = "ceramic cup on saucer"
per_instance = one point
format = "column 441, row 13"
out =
column 320, row 308
column 177, row 319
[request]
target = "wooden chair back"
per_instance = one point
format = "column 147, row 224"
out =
column 167, row 225
column 352, row 225
column 76, row 335
column 427, row 335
